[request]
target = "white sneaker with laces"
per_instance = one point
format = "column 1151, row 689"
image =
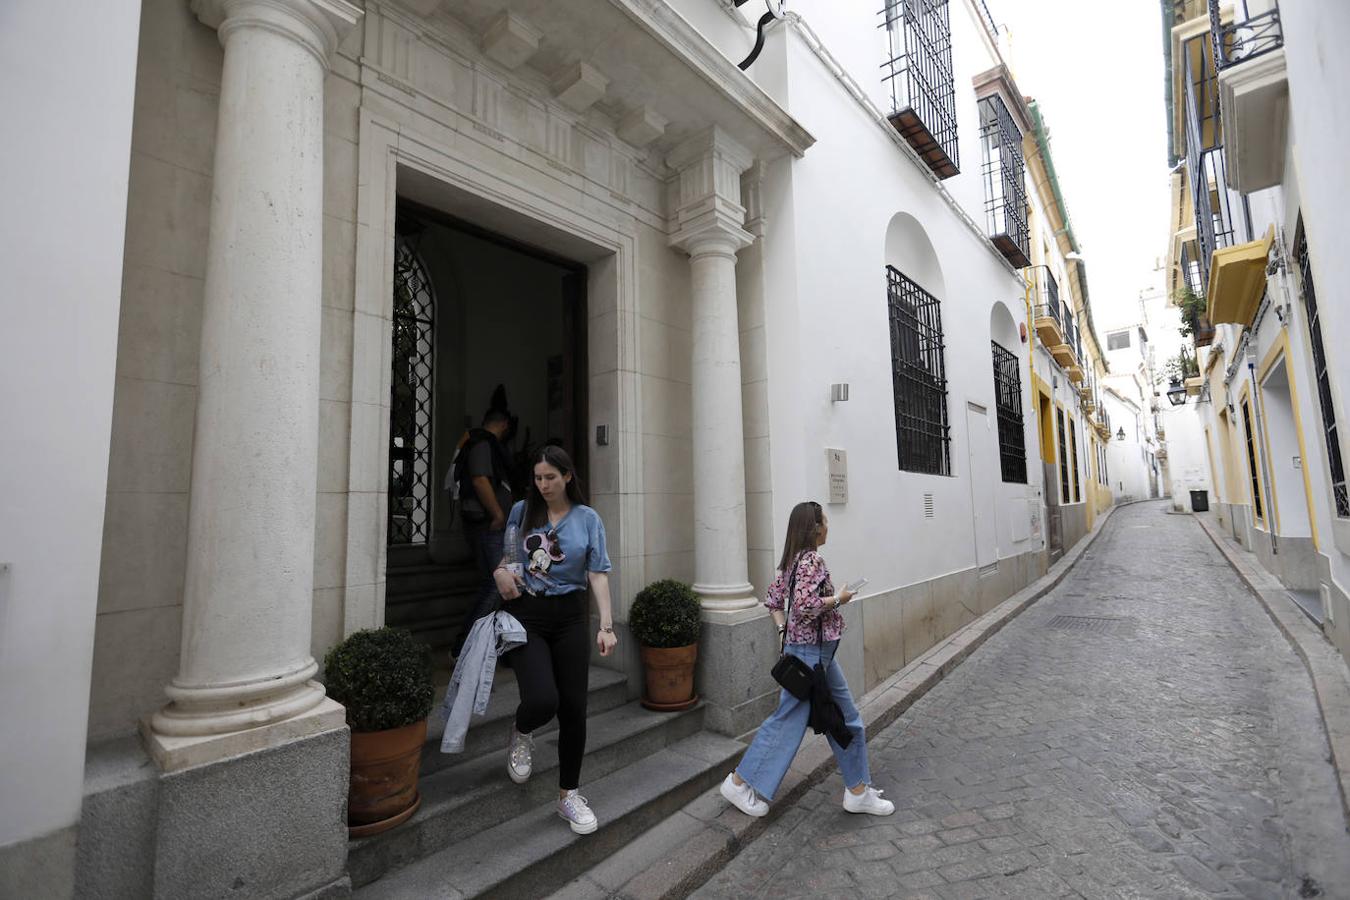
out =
column 742, row 796
column 573, row 807
column 520, row 757
column 869, row 802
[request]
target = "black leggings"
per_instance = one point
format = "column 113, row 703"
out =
column 552, row 670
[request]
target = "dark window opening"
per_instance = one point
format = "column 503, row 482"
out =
column 1063, row 458
column 1251, row 461
column 1073, row 458
column 1005, row 191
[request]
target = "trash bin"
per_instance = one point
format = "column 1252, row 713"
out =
column 1199, row 501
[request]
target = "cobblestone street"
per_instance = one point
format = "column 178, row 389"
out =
column 1141, row 731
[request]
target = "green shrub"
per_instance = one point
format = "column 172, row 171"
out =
column 665, row 614
column 382, row 676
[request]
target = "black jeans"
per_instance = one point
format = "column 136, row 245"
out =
column 552, row 670
column 487, row 554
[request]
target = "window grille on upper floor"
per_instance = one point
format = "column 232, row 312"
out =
column 1012, row 448
column 918, row 375
column 920, row 76
column 1330, row 429
column 1005, row 190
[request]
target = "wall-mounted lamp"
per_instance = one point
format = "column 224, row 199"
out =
column 1120, row 435
column 839, row 393
column 1176, row 394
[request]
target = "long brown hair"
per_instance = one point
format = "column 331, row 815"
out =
column 803, row 525
column 536, row 507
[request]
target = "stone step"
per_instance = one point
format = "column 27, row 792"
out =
column 488, row 734
column 465, row 800
column 415, row 608
column 534, row 853
column 407, row 580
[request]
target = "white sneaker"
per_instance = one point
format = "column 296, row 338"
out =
column 869, row 802
column 520, row 757
column 742, row 796
column 573, row 808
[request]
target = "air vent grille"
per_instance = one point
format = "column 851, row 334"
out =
column 928, row 506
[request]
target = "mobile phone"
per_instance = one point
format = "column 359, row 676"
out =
column 855, row 586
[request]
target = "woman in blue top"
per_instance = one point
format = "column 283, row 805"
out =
column 563, row 544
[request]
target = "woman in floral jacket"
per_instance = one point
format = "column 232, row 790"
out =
column 813, row 611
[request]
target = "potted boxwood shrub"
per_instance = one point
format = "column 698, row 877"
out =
column 384, row 679
column 665, row 622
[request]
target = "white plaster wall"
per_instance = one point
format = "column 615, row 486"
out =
column 1188, row 463
column 73, row 97
column 826, row 321
column 1126, row 459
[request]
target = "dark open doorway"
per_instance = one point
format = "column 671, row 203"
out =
column 478, row 320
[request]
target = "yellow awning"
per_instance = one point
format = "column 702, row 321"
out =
column 1237, row 280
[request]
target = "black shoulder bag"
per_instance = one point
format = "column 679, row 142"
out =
column 793, row 674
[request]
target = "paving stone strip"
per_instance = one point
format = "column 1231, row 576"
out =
column 677, row 857
column 1180, row 753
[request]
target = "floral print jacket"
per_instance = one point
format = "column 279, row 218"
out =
column 812, row 587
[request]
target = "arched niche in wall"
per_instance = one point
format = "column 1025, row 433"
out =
column 910, row 251
column 1003, row 330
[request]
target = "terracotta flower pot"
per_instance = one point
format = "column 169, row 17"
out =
column 383, row 790
column 670, row 677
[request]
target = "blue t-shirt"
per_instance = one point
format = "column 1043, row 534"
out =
column 557, row 557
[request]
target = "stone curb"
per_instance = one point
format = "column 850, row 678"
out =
column 672, row 869
column 1326, row 667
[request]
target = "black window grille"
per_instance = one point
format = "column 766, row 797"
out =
column 920, row 75
column 411, row 397
column 919, row 380
column 1073, row 462
column 1329, row 423
column 1063, row 458
column 1005, row 189
column 1251, row 460
column 1012, row 441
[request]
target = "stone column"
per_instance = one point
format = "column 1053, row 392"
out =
column 249, row 587
column 709, row 226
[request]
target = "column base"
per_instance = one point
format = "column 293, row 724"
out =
column 726, row 597
column 200, row 711
column 174, row 752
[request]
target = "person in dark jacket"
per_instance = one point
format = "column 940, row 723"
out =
column 482, row 471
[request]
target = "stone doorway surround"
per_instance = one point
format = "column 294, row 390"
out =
column 396, row 162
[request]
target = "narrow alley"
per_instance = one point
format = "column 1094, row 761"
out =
column 1143, row 730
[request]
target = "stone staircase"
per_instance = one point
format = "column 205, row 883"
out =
column 430, row 601
column 477, row 834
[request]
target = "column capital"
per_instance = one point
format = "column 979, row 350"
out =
column 707, row 214
column 317, row 25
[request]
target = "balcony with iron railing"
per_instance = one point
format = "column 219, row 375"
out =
column 1005, row 190
column 1073, row 340
column 1222, row 215
column 1043, row 297
column 1248, row 55
column 1252, row 31
column 920, row 76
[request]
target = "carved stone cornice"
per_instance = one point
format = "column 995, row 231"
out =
column 674, row 31
column 317, row 25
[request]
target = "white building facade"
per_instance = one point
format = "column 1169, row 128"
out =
column 1259, row 123
column 352, row 227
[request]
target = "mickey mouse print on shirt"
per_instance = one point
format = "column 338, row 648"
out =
column 543, row 550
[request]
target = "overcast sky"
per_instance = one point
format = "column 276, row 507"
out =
column 1096, row 69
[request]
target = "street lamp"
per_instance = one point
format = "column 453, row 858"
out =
column 1176, row 393
column 1120, row 435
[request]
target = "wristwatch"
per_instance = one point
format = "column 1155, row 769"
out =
column 609, row 630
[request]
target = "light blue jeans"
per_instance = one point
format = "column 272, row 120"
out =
column 766, row 761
